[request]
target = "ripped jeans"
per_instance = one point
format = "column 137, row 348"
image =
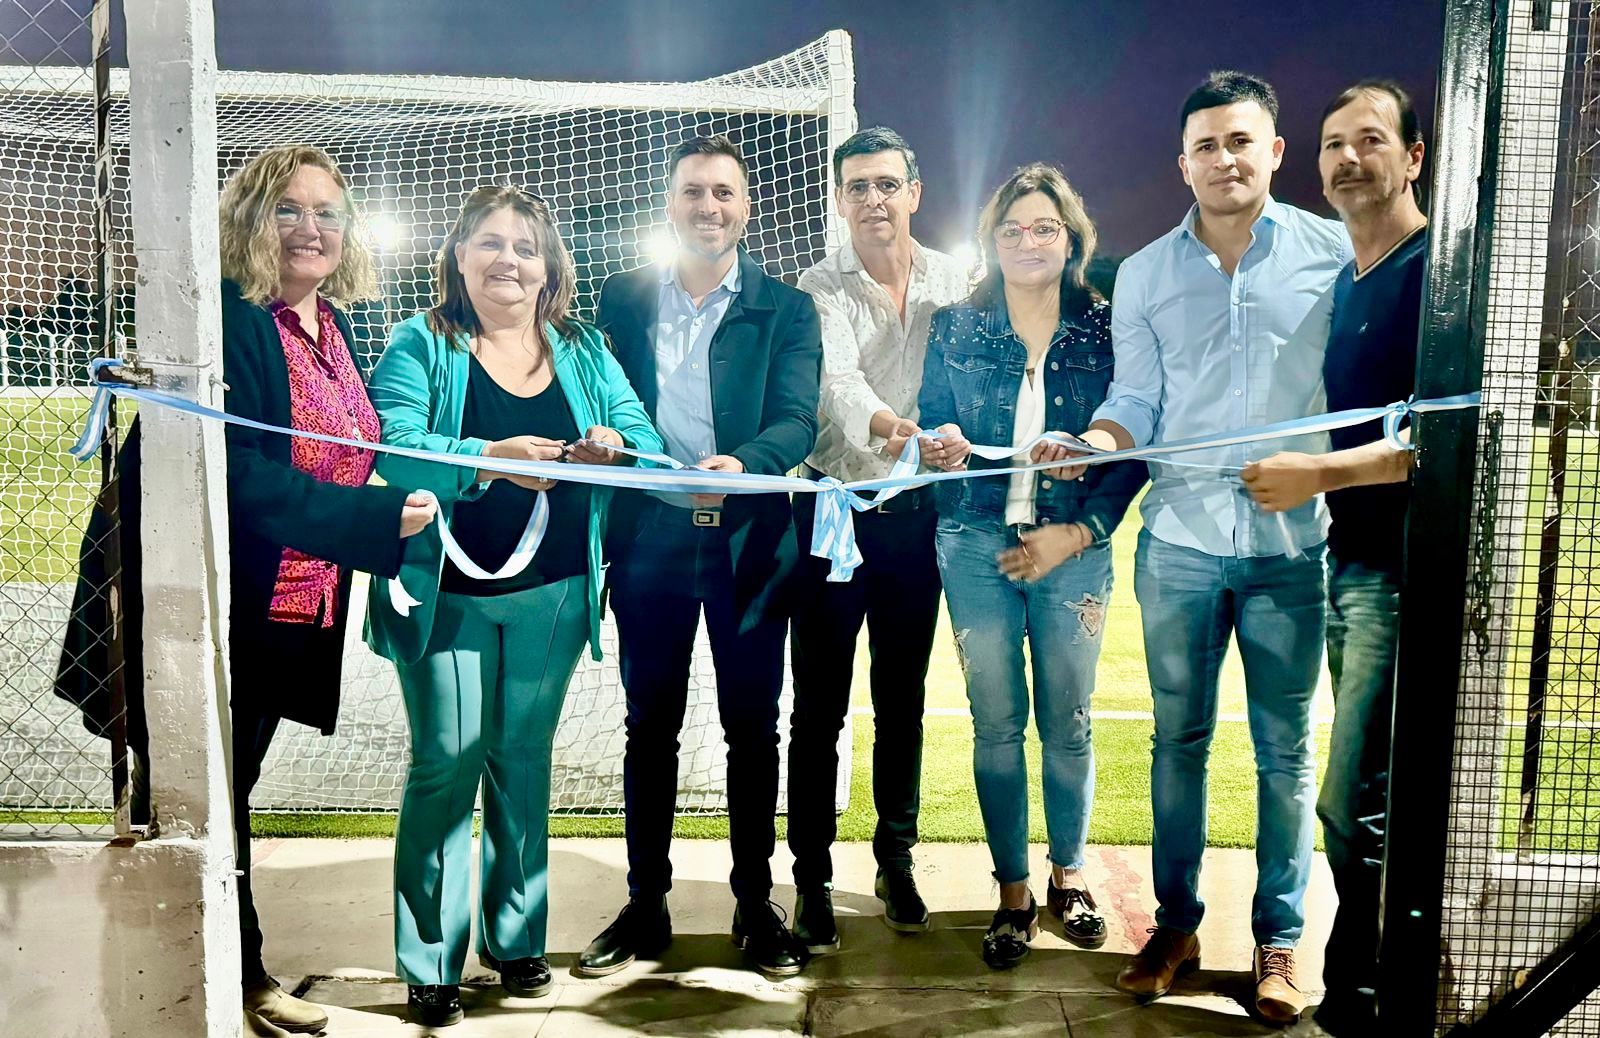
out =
column 1063, row 616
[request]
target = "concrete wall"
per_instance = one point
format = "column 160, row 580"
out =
column 103, row 941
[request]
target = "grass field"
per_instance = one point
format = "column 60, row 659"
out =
column 44, row 496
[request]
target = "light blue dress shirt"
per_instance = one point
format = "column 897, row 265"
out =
column 1198, row 352
column 683, row 369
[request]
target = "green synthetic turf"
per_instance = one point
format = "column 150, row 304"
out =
column 45, row 497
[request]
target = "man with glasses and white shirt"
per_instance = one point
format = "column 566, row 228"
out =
column 875, row 297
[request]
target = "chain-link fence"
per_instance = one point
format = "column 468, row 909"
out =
column 1519, row 853
column 65, row 770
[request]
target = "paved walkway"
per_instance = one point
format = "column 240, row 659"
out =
column 327, row 911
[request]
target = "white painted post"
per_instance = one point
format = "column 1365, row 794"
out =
column 173, row 149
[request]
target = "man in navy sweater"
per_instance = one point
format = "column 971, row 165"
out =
column 1371, row 160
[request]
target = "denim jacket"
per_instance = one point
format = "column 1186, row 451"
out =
column 971, row 377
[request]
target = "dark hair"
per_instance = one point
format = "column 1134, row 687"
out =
column 452, row 316
column 707, row 144
column 1410, row 126
column 1076, row 295
column 1228, row 87
column 871, row 141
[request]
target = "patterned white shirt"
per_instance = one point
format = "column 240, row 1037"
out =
column 871, row 359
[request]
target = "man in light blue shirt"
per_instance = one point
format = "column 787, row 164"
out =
column 1216, row 326
column 683, row 335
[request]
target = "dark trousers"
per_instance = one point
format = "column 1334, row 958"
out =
column 895, row 592
column 252, row 736
column 660, row 585
column 1363, row 626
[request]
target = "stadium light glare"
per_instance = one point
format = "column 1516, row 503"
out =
column 966, row 253
column 385, row 232
column 662, row 246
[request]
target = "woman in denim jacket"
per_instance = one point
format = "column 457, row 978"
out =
column 1029, row 553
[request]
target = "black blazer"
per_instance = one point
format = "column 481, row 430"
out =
column 271, row 505
column 766, row 369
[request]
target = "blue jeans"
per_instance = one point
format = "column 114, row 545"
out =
column 1192, row 603
column 1063, row 616
column 1363, row 624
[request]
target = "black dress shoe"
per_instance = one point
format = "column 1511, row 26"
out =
column 644, row 928
column 903, row 908
column 1080, row 917
column 524, row 978
column 1006, row 943
column 813, row 920
column 767, row 943
column 434, row 1005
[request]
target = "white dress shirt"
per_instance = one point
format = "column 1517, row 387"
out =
column 871, row 359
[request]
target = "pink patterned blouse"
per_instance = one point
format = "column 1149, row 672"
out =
column 326, row 396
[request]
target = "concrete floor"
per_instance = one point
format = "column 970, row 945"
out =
column 326, row 908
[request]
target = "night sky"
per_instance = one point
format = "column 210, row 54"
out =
column 977, row 88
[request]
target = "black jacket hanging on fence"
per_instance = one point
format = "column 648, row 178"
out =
column 282, row 670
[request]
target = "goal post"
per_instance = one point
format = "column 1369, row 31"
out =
column 412, row 148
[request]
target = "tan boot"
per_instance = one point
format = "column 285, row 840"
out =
column 1277, row 999
column 255, row 1027
column 281, row 1009
column 1166, row 956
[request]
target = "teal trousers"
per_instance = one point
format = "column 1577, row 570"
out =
column 483, row 701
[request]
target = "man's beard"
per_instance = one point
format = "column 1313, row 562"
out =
column 694, row 244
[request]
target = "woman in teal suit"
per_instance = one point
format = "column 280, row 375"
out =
column 497, row 368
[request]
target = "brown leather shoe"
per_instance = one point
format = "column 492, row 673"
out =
column 1277, row 999
column 1166, row 956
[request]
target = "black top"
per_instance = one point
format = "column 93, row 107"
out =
column 489, row 527
column 1372, row 361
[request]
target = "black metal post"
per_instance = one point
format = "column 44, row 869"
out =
column 1434, row 596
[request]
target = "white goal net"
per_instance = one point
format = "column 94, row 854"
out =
column 412, row 147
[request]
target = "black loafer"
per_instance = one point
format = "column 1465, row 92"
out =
column 767, row 943
column 524, row 978
column 434, row 1005
column 814, row 925
column 903, row 908
column 1006, row 943
column 642, row 929
column 1081, row 921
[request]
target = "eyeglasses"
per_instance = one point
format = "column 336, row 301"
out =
column 287, row 214
column 856, row 191
column 1009, row 234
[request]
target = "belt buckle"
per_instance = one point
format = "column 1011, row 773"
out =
column 706, row 517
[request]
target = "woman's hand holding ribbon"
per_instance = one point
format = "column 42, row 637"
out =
column 418, row 512
column 524, row 448
column 595, row 447
column 947, row 449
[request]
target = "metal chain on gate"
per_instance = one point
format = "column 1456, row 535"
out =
column 1483, row 536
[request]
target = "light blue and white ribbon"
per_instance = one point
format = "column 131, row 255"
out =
column 527, row 546
column 833, row 531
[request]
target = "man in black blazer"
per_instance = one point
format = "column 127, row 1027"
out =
column 727, row 360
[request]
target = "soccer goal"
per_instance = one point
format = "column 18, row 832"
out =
column 413, row 148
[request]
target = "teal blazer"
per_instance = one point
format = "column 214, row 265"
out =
column 419, row 388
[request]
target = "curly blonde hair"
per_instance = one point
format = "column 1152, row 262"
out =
column 251, row 252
